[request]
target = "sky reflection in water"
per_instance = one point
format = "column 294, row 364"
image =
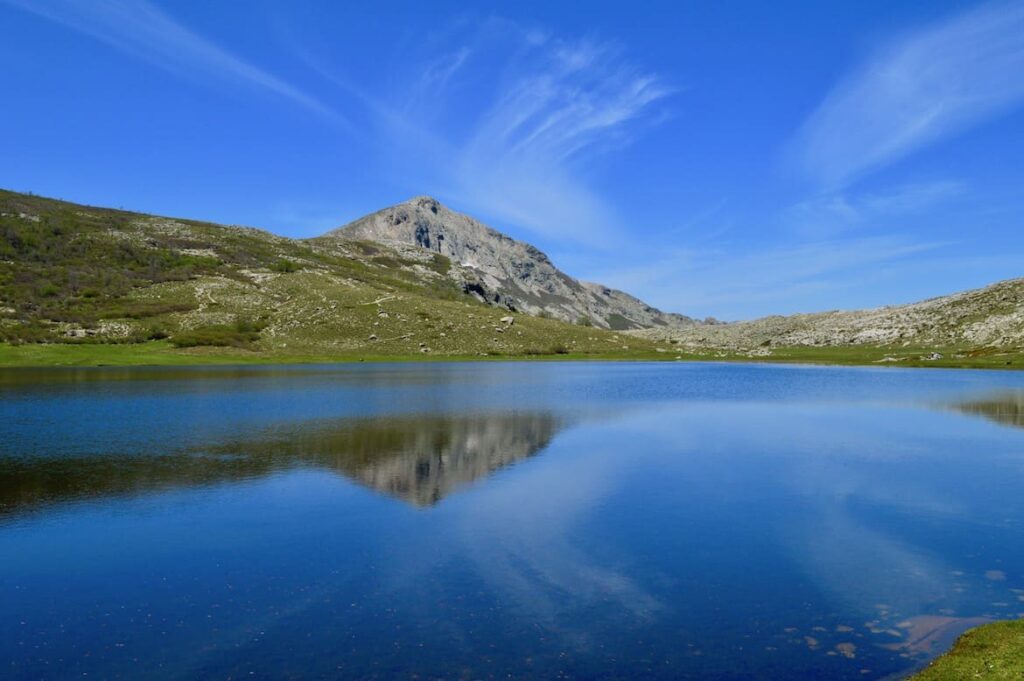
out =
column 594, row 520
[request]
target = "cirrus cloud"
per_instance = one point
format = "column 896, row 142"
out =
column 931, row 84
column 142, row 29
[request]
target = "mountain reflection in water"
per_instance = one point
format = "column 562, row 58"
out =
column 1006, row 408
column 420, row 459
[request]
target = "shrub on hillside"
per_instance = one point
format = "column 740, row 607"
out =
column 285, row 266
column 242, row 334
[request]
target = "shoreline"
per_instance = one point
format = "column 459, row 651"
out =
column 161, row 353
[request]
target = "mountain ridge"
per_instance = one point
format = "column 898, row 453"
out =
column 988, row 317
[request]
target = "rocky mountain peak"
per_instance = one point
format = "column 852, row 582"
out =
column 501, row 270
column 425, row 202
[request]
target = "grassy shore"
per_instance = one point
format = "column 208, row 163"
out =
column 950, row 358
column 163, row 353
column 992, row 652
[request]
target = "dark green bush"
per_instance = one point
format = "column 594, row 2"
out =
column 140, row 309
column 157, row 333
column 285, row 266
column 242, row 334
column 557, row 349
column 25, row 333
column 440, row 264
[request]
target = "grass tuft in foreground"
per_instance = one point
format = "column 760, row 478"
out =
column 991, row 652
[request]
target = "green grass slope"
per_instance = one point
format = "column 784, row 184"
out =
column 82, row 285
column 991, row 652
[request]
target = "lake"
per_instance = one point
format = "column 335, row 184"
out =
column 482, row 520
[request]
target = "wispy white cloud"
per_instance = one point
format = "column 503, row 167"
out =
column 144, row 30
column 829, row 215
column 437, row 73
column 516, row 138
column 924, row 87
column 521, row 160
column 820, row 253
column 741, row 280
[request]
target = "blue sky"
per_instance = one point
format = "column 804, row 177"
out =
column 733, row 159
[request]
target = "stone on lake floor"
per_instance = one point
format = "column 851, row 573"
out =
column 847, row 650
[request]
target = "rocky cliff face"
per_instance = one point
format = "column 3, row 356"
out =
column 502, row 271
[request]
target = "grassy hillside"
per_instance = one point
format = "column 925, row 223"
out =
column 82, row 285
column 89, row 285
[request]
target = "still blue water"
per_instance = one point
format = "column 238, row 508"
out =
column 576, row 520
